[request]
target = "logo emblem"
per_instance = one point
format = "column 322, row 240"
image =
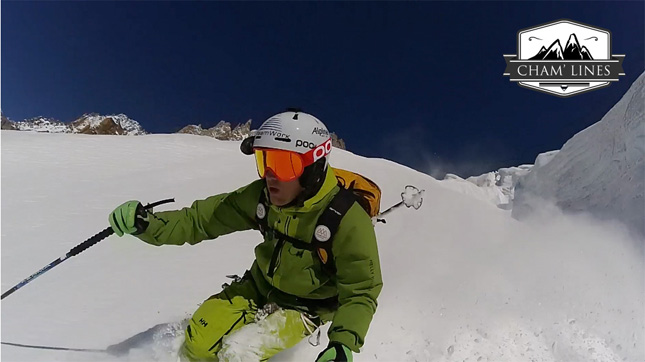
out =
column 260, row 211
column 320, row 131
column 322, row 233
column 306, row 144
column 564, row 58
column 322, row 150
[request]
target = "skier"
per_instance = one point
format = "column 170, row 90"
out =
column 296, row 288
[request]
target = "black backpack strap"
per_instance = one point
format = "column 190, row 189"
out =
column 327, row 226
column 297, row 243
column 262, row 219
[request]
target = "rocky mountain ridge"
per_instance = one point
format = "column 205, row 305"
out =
column 91, row 123
column 221, row 131
column 120, row 124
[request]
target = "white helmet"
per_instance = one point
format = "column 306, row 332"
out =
column 292, row 131
column 298, row 132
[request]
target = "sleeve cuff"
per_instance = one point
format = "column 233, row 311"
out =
column 346, row 338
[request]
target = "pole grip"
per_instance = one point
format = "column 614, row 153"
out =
column 75, row 251
column 91, row 241
column 106, row 232
column 154, row 204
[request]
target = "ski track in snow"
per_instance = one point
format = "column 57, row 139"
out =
column 462, row 280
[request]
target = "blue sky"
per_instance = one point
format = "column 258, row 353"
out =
column 417, row 83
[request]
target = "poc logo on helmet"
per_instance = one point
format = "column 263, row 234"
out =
column 301, row 143
column 322, row 150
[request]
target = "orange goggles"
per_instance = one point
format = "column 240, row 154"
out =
column 285, row 165
column 288, row 165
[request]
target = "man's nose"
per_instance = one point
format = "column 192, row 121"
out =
column 270, row 175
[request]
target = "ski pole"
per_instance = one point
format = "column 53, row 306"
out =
column 75, row 251
column 391, row 208
column 55, row 348
column 410, row 197
column 379, row 216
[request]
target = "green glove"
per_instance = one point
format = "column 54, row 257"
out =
column 336, row 352
column 129, row 218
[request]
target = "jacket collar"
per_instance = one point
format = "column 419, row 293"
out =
column 314, row 202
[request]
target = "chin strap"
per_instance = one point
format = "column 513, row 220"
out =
column 311, row 187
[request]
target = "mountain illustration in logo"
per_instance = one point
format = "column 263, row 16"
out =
column 572, row 51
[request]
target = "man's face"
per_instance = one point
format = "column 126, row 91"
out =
column 280, row 192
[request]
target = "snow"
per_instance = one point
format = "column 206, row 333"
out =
column 497, row 187
column 543, row 158
column 481, row 187
column 600, row 170
column 463, row 280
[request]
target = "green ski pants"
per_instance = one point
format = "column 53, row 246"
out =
column 225, row 327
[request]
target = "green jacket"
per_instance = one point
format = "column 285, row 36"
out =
column 357, row 282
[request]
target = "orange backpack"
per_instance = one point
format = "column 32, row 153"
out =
column 368, row 194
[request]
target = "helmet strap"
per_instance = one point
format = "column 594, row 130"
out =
column 312, row 179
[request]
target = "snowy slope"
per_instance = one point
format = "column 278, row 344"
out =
column 463, row 281
column 600, row 170
column 498, row 186
column 483, row 187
